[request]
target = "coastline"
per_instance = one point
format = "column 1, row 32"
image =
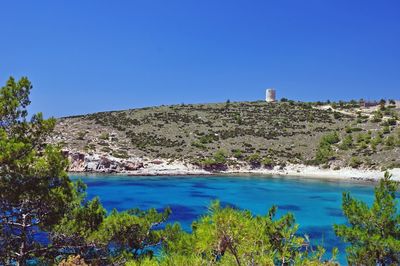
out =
column 179, row 168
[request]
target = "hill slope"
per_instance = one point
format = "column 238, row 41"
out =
column 229, row 133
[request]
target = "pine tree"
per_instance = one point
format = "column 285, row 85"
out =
column 373, row 232
column 35, row 191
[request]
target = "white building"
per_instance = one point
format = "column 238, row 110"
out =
column 270, row 95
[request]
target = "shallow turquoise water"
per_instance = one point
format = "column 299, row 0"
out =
column 315, row 203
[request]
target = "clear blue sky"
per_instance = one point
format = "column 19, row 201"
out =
column 88, row 56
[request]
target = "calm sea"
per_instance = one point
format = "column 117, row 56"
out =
column 316, row 204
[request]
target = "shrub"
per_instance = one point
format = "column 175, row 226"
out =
column 386, row 130
column 267, row 162
column 73, row 261
column 364, row 137
column 384, row 123
column 209, row 138
column 254, row 159
column 390, row 141
column 373, row 146
column 372, row 230
column 337, row 115
column 324, row 154
column 377, row 117
column 90, row 146
column 120, row 154
column 391, row 121
column 216, row 162
column 198, row 145
column 106, row 149
column 238, row 119
column 382, row 104
column 104, row 136
column 350, row 129
column 81, row 135
column 229, row 236
column 324, row 151
column 331, row 138
column 220, row 157
column 393, row 165
column 347, row 142
column 377, row 140
column 237, row 153
column 355, row 162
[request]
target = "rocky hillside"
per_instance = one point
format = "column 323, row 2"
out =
column 257, row 133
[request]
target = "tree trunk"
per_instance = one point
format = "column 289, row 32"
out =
column 22, row 249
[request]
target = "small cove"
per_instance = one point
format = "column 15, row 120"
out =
column 316, row 203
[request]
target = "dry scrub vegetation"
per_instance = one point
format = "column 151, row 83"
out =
column 262, row 134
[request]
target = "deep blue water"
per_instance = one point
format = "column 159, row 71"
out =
column 316, row 204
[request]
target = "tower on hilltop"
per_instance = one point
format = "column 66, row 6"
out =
column 270, row 95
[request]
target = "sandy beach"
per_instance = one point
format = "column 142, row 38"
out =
column 147, row 167
column 290, row 170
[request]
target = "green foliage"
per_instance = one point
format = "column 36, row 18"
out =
column 390, row 141
column 228, row 236
column 35, row 191
column 350, row 129
column 227, row 103
column 254, row 159
column 83, row 220
column 146, row 261
column 220, row 157
column 382, row 104
column 81, row 135
column 130, row 231
column 355, row 162
column 377, row 140
column 373, row 232
column 337, row 115
column 113, row 238
column 398, row 138
column 325, row 152
column 386, row 129
column 216, row 162
column 199, row 145
column 331, row 138
column 237, row 153
column 239, row 119
column 392, row 121
column 209, row 138
column 73, row 261
column 363, row 138
column 104, row 136
column 267, row 162
column 377, row 117
column 120, row 154
column 347, row 142
column 373, row 146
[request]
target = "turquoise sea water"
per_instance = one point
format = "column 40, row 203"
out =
column 316, row 204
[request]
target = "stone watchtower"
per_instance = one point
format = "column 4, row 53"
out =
column 270, row 95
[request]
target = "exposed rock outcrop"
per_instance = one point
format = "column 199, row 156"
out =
column 81, row 162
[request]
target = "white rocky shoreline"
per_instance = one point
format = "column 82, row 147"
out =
column 105, row 164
